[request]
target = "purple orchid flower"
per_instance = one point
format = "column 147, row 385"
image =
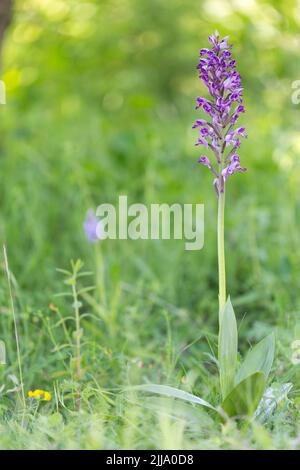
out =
column 217, row 70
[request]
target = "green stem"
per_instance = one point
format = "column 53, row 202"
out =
column 100, row 280
column 221, row 254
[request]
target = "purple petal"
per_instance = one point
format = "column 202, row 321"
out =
column 91, row 227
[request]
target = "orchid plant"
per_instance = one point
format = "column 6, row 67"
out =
column 242, row 384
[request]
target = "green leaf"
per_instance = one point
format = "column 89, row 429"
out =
column 245, row 396
column 168, row 391
column 227, row 348
column 258, row 359
column 178, row 409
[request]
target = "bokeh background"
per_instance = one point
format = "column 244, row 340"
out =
column 100, row 102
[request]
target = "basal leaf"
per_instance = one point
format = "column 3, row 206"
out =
column 175, row 393
column 176, row 409
column 227, row 349
column 245, row 396
column 258, row 359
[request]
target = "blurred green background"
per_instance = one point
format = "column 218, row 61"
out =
column 100, row 102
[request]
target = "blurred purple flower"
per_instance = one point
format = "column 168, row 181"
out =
column 91, row 227
column 217, row 70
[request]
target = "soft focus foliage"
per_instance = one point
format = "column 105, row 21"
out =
column 100, row 101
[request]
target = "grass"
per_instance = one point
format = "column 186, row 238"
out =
column 152, row 312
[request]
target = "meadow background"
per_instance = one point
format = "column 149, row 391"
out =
column 100, row 102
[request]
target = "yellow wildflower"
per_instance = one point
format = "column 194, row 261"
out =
column 39, row 394
column 47, row 396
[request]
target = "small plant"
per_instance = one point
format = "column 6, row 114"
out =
column 71, row 280
column 241, row 385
